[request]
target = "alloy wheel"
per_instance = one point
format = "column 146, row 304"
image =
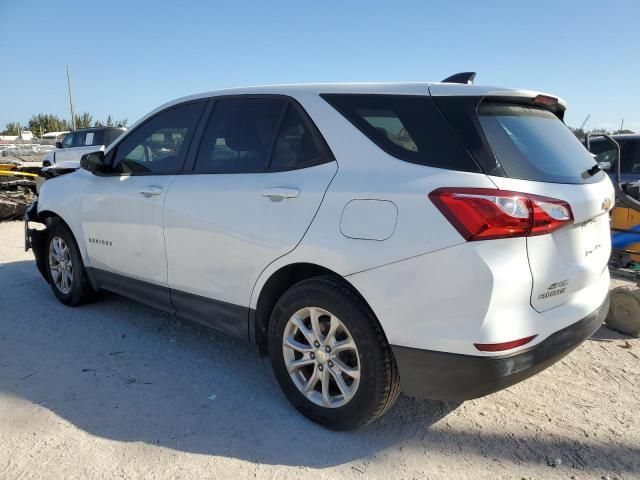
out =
column 321, row 357
column 60, row 265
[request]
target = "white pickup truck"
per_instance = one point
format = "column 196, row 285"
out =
column 67, row 153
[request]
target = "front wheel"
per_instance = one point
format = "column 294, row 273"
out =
column 330, row 356
column 64, row 267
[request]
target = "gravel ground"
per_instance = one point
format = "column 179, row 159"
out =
column 119, row 390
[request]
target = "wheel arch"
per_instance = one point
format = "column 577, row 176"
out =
column 275, row 286
column 48, row 217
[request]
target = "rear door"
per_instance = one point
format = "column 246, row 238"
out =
column 258, row 179
column 538, row 154
column 83, row 142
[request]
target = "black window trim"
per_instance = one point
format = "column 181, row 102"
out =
column 112, row 153
column 325, row 153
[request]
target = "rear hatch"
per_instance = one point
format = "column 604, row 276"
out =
column 521, row 142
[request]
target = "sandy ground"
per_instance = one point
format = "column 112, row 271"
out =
column 119, row 390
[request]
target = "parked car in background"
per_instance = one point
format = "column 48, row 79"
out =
column 445, row 239
column 605, row 155
column 77, row 143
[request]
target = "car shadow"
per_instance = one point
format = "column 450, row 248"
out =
column 122, row 371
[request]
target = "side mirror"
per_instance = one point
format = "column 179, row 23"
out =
column 58, row 144
column 94, row 162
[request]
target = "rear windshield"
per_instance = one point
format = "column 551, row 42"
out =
column 409, row 127
column 533, row 144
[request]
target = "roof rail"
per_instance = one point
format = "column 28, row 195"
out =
column 462, row 77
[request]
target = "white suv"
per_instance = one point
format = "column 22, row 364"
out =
column 67, row 154
column 444, row 239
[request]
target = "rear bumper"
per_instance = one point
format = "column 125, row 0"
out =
column 450, row 376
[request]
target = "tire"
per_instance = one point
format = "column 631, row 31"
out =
column 332, row 301
column 79, row 289
column 624, row 311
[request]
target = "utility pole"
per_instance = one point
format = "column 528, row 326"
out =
column 621, row 124
column 73, row 115
column 585, row 122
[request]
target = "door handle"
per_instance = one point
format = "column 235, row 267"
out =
column 150, row 191
column 278, row 193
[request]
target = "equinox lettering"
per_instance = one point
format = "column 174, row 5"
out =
column 100, row 242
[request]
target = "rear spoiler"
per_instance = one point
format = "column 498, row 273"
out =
column 466, row 78
column 482, row 93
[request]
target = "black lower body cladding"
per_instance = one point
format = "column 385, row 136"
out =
column 449, row 376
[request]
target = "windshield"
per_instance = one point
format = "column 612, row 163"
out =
column 533, row 144
column 606, row 154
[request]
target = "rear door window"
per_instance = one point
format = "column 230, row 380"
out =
column 79, row 138
column 533, row 144
column 295, row 145
column 409, row 127
column 239, row 135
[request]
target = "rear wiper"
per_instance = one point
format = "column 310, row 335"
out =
column 592, row 171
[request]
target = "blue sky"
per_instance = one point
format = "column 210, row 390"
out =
column 127, row 57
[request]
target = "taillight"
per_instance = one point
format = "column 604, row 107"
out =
column 486, row 213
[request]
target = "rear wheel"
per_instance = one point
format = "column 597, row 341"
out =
column 64, row 267
column 330, row 356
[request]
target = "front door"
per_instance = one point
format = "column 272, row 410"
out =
column 62, row 154
column 258, row 180
column 122, row 213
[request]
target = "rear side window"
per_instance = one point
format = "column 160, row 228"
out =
column 409, row 127
column 533, row 144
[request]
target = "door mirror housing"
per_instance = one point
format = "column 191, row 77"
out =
column 58, row 144
column 94, row 162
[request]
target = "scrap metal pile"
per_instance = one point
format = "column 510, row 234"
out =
column 17, row 189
